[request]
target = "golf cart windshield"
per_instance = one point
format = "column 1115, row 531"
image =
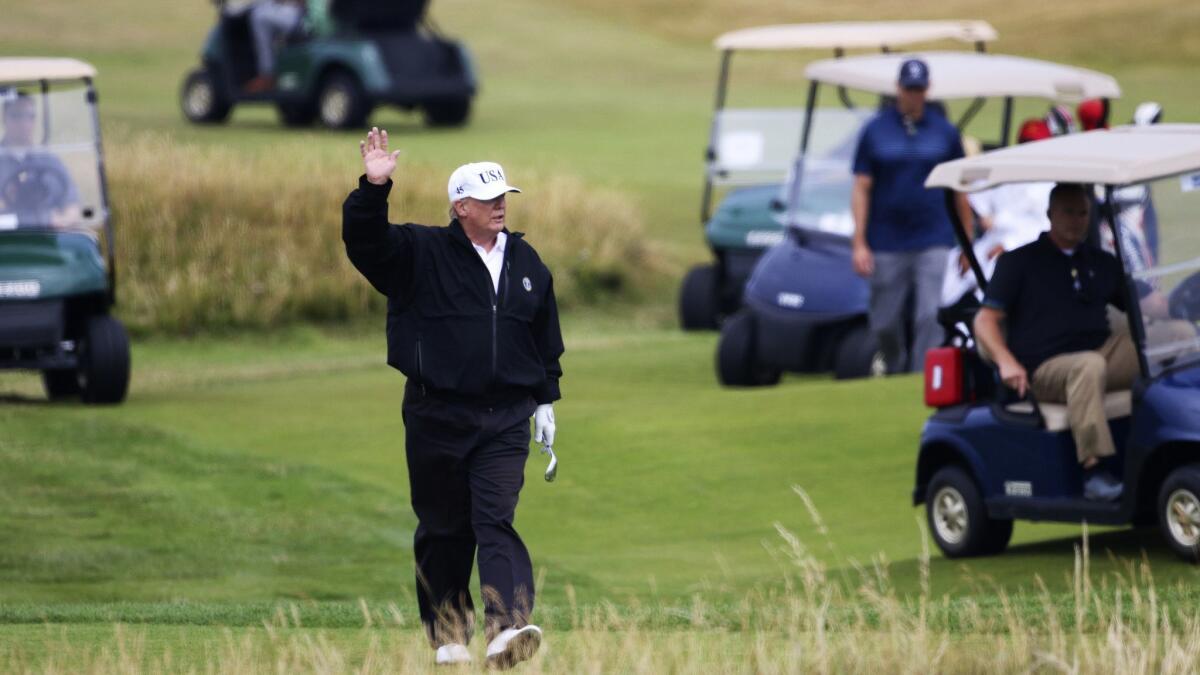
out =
column 49, row 158
column 822, row 200
column 1160, row 243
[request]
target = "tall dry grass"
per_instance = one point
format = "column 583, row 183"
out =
column 815, row 624
column 217, row 237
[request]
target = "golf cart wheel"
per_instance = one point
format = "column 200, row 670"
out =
column 958, row 519
column 341, row 102
column 298, row 114
column 737, row 363
column 858, row 355
column 105, row 361
column 448, row 112
column 1179, row 511
column 202, row 100
column 60, row 383
column 698, row 299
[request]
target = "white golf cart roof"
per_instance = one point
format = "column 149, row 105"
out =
column 21, row 69
column 1119, row 156
column 854, row 34
column 956, row 75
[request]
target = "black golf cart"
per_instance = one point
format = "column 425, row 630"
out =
column 57, row 269
column 367, row 52
column 986, row 459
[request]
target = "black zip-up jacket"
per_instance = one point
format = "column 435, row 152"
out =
column 448, row 329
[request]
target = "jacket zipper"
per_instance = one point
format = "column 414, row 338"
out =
column 495, row 304
column 420, row 368
column 494, row 295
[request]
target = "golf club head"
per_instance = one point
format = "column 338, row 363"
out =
column 552, row 470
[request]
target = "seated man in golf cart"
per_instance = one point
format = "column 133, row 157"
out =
column 35, row 185
column 1053, row 296
column 275, row 20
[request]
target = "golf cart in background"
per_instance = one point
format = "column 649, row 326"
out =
column 985, row 459
column 373, row 52
column 804, row 308
column 57, row 268
column 750, row 151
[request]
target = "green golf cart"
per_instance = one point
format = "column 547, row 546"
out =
column 348, row 57
column 57, row 274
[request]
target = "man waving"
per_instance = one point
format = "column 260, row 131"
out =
column 472, row 323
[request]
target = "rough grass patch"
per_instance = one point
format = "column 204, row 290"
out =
column 214, row 238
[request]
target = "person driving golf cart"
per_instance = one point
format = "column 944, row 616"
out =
column 986, row 459
column 35, row 186
column 274, row 20
column 1052, row 296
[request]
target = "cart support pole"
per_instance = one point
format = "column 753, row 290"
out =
column 1006, row 121
column 711, row 153
column 793, row 199
column 964, row 241
column 1133, row 309
column 109, row 236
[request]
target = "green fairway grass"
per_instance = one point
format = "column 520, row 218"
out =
column 247, row 508
column 268, row 467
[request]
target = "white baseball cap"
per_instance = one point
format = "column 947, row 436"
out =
column 478, row 180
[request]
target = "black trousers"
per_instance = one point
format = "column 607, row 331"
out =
column 466, row 467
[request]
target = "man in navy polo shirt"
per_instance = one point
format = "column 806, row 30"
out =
column 902, row 232
column 1052, row 297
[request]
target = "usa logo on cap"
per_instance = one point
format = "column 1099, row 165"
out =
column 478, row 180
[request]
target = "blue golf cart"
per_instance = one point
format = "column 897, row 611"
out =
column 751, row 150
column 804, row 308
column 985, row 459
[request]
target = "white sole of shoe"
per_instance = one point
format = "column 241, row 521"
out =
column 521, row 648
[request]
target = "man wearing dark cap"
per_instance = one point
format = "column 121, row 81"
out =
column 902, row 231
column 472, row 322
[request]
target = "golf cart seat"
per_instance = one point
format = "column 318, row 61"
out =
column 1117, row 404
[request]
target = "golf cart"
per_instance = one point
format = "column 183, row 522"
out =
column 804, row 308
column 750, row 151
column 370, row 52
column 57, row 270
column 985, row 459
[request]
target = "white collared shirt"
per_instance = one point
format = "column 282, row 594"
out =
column 494, row 259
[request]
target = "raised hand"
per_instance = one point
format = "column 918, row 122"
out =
column 377, row 160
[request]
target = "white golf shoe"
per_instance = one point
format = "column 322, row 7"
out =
column 453, row 654
column 513, row 646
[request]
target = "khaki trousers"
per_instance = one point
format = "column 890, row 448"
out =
column 1080, row 379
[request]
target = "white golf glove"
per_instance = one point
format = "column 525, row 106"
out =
column 543, row 424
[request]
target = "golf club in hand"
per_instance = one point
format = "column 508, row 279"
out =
column 552, row 469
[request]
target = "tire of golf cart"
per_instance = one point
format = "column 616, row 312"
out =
column 105, row 361
column 1179, row 511
column 448, row 113
column 342, row 103
column 858, row 355
column 737, row 363
column 698, row 299
column 297, row 114
column 60, row 383
column 958, row 519
column 201, row 99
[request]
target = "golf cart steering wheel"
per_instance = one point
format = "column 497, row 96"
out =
column 35, row 190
